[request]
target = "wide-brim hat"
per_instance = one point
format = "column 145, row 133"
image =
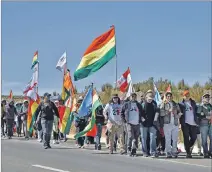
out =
column 167, row 93
column 206, row 93
column 115, row 96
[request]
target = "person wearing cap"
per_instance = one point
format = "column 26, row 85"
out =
column 114, row 123
column 188, row 121
column 47, row 110
column 3, row 113
column 149, row 124
column 204, row 113
column 131, row 114
column 10, row 113
column 170, row 111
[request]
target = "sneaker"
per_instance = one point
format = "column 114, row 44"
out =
column 49, row 146
column 46, row 147
column 154, row 155
column 99, row 147
column 111, row 152
column 188, row 156
column 145, row 155
column 200, row 153
column 206, row 156
column 54, row 141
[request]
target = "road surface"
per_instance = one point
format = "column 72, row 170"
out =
column 19, row 155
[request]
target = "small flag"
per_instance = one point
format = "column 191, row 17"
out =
column 157, row 95
column 124, row 82
column 11, row 95
column 35, row 59
column 168, row 90
column 61, row 63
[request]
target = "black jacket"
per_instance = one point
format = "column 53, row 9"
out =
column 47, row 112
column 183, row 110
column 100, row 119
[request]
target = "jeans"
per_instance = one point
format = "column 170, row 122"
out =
column 144, row 132
column 26, row 133
column 190, row 136
column 19, row 126
column 171, row 133
column 206, row 130
column 98, row 134
column 47, row 126
column 133, row 134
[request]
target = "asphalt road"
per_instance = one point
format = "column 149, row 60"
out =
column 19, row 155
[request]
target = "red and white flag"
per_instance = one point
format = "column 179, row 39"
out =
column 124, row 82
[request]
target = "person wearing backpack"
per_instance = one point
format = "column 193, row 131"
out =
column 204, row 113
column 170, row 111
column 47, row 110
column 131, row 114
column 149, row 124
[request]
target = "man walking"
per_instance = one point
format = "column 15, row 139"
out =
column 204, row 113
column 188, row 121
column 131, row 113
column 47, row 110
column 148, row 124
column 10, row 116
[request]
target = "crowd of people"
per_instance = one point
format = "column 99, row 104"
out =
column 128, row 123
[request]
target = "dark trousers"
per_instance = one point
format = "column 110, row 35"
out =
column 10, row 123
column 80, row 140
column 3, row 122
column 55, row 135
column 160, row 142
column 19, row 126
column 190, row 136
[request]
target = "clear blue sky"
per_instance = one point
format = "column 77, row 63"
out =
column 159, row 39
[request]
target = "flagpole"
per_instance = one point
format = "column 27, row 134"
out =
column 116, row 62
column 38, row 73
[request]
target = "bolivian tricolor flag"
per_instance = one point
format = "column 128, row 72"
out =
column 35, row 59
column 33, row 105
column 101, row 50
column 95, row 103
column 66, row 117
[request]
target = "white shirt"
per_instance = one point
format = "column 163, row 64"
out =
column 189, row 114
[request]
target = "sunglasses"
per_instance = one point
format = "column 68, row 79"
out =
column 207, row 97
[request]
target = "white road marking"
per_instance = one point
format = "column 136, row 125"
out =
column 49, row 168
column 178, row 162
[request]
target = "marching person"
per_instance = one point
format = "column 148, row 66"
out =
column 149, row 124
column 18, row 120
column 3, row 117
column 188, row 121
column 131, row 113
column 99, row 123
column 23, row 113
column 56, row 126
column 170, row 111
column 10, row 116
column 204, row 113
column 47, row 110
column 114, row 123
